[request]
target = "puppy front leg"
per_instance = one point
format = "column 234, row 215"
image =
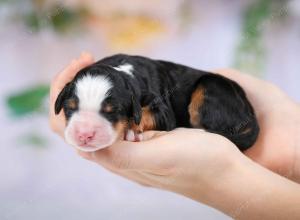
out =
column 154, row 117
column 148, row 122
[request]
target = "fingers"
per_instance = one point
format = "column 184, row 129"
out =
column 57, row 122
column 65, row 76
column 146, row 155
column 75, row 65
column 122, row 156
column 128, row 174
column 259, row 92
column 158, row 152
column 235, row 75
column 250, row 83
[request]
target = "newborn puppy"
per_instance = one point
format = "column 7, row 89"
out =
column 121, row 96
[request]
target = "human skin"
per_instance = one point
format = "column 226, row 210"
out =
column 207, row 167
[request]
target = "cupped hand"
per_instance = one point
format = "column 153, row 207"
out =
column 208, row 167
column 278, row 144
column 277, row 147
column 179, row 161
column 58, row 122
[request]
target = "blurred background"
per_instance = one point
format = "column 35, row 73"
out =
column 43, row 178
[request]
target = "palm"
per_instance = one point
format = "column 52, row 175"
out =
column 58, row 123
column 277, row 147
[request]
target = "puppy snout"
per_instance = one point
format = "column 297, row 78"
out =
column 86, row 136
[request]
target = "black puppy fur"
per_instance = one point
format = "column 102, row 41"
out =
column 163, row 95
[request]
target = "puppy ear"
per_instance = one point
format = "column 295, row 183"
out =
column 136, row 110
column 63, row 95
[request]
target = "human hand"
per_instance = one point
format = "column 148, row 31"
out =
column 278, row 144
column 205, row 167
column 123, row 157
column 179, row 161
column 58, row 122
column 209, row 168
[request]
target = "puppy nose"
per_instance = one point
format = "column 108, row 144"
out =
column 86, row 136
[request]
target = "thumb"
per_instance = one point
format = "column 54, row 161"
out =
column 124, row 155
column 85, row 155
column 147, row 135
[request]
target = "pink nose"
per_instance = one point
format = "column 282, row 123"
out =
column 85, row 137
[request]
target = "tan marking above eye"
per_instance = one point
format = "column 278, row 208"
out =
column 107, row 108
column 72, row 104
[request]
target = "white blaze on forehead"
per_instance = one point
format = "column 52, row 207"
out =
column 126, row 68
column 91, row 91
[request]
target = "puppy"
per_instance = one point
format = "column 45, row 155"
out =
column 121, row 96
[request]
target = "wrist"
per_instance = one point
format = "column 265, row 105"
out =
column 209, row 185
column 231, row 184
column 250, row 191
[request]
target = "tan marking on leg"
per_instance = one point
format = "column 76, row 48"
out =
column 197, row 101
column 120, row 128
column 147, row 121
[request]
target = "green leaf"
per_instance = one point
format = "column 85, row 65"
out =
column 62, row 18
column 255, row 17
column 32, row 20
column 33, row 139
column 27, row 101
column 250, row 53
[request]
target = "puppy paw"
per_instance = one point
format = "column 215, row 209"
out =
column 133, row 136
column 130, row 136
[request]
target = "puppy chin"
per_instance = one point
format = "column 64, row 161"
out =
column 91, row 148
